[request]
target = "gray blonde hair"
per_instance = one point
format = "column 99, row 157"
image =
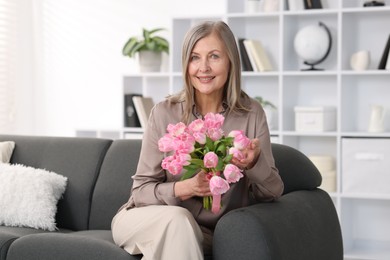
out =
column 232, row 89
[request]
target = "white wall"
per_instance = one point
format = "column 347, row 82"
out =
column 78, row 65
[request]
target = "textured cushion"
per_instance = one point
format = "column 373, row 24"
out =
column 6, row 149
column 29, row 196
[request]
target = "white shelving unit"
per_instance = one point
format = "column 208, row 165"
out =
column 365, row 218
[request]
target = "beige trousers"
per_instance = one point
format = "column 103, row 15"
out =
column 158, row 232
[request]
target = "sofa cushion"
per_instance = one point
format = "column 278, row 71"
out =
column 29, row 196
column 6, row 149
column 114, row 183
column 78, row 159
column 85, row 246
column 10, row 234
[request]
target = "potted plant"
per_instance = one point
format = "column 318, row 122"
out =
column 149, row 49
column 270, row 111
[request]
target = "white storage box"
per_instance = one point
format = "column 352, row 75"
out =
column 366, row 165
column 315, row 119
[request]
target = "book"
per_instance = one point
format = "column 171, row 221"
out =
column 143, row 106
column 295, row 5
column 246, row 63
column 255, row 48
column 388, row 61
column 130, row 115
column 312, row 4
column 385, row 55
column 251, row 57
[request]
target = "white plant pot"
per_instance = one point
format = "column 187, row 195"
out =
column 271, row 115
column 150, row 61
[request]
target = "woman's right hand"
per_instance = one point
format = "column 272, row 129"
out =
column 195, row 186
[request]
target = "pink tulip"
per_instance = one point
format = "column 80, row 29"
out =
column 177, row 129
column 218, row 185
column 197, row 126
column 213, row 120
column 174, row 163
column 232, row 173
column 210, row 160
column 200, row 137
column 215, row 133
column 166, row 143
column 238, row 154
column 240, row 140
column 184, row 158
column 171, row 165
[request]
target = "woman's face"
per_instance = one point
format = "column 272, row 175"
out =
column 208, row 67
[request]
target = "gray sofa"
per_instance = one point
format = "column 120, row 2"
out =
column 302, row 225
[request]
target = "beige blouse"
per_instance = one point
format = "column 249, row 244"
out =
column 154, row 186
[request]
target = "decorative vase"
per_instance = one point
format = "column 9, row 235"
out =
column 252, row 6
column 376, row 119
column 360, row 60
column 150, row 61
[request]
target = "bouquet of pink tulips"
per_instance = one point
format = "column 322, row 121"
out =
column 202, row 145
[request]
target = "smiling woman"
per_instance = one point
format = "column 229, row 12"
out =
column 212, row 73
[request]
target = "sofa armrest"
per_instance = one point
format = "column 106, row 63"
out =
column 301, row 225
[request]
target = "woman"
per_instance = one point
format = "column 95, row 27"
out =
column 164, row 217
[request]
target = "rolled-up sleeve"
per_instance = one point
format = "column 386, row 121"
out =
column 150, row 186
column 264, row 179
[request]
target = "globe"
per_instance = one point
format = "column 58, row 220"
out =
column 313, row 43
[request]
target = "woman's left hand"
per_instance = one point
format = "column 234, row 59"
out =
column 251, row 155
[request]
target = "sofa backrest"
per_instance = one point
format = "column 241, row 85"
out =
column 295, row 169
column 79, row 159
column 114, row 183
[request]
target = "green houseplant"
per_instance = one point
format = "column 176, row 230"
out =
column 150, row 48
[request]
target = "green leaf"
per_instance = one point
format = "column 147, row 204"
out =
column 220, row 165
column 129, row 46
column 209, row 144
column 189, row 173
column 192, row 166
column 228, row 158
column 198, row 162
column 149, row 42
column 221, row 149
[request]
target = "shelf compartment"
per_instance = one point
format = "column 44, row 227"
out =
column 292, row 24
column 262, row 28
column 359, row 4
column 366, row 228
column 359, row 33
column 358, row 93
column 306, row 90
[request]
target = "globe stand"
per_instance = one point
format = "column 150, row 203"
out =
column 311, row 67
column 312, row 64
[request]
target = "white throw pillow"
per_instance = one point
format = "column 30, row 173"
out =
column 6, row 150
column 29, row 196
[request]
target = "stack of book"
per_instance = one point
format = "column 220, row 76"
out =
column 253, row 56
column 137, row 110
